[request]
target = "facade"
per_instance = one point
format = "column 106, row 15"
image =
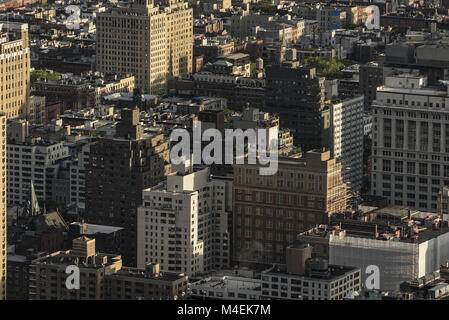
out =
column 410, row 142
column 119, row 169
column 398, row 261
column 346, row 139
column 269, row 211
column 370, row 77
column 184, row 224
column 101, row 277
column 151, row 40
column 443, row 203
column 3, row 209
column 306, row 278
column 36, row 114
column 47, row 279
column 14, row 72
column 145, row 284
column 297, row 95
column 33, row 161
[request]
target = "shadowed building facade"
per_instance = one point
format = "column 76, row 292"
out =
column 118, row 170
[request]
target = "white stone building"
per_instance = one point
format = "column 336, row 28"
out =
column 36, row 161
column 410, row 160
column 183, row 223
column 346, row 139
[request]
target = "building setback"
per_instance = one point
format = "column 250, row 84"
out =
column 119, row 169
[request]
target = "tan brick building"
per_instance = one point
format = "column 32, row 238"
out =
column 153, row 40
column 3, row 208
column 101, row 276
column 269, row 211
column 14, row 69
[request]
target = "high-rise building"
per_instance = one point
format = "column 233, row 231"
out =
column 14, row 69
column 3, row 208
column 269, row 211
column 184, row 223
column 297, row 95
column 371, row 76
column 346, row 139
column 410, row 161
column 119, row 169
column 39, row 163
column 153, row 40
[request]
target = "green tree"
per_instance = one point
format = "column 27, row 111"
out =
column 329, row 68
column 37, row 75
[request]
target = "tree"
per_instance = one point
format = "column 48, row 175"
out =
column 37, row 75
column 329, row 68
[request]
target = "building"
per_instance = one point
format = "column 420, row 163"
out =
column 443, row 203
column 145, row 284
column 410, row 142
column 32, row 160
column 346, row 139
column 403, row 243
column 151, row 40
column 36, row 114
column 101, row 277
column 15, row 72
column 47, row 279
column 72, row 94
column 370, row 77
column 184, row 223
column 3, row 210
column 269, row 211
column 297, row 95
column 119, row 169
column 306, row 278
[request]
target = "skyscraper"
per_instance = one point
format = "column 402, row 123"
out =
column 153, row 40
column 14, row 69
column 297, row 95
column 3, row 208
column 119, row 169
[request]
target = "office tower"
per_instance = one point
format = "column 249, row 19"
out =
column 410, row 161
column 297, row 95
column 14, row 69
column 119, row 169
column 269, row 211
column 3, row 209
column 151, row 40
column 370, row 77
column 346, row 139
column 184, row 223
